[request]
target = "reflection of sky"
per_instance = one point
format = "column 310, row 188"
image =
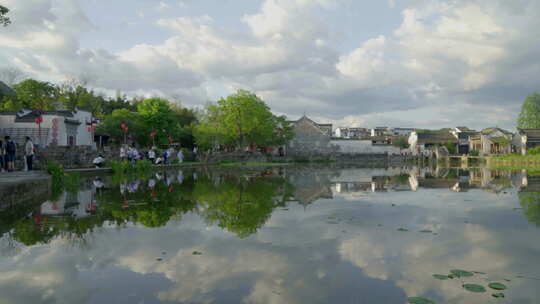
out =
column 341, row 250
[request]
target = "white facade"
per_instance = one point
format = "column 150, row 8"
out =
column 62, row 128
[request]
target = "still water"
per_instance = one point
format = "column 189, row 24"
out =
column 278, row 235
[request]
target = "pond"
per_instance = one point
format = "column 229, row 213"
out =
column 319, row 234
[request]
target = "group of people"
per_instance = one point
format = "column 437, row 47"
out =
column 132, row 154
column 8, row 151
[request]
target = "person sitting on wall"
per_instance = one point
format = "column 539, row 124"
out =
column 99, row 161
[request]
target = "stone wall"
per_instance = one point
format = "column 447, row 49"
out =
column 69, row 157
column 28, row 189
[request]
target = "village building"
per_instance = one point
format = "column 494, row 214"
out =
column 402, row 131
column 381, row 131
column 60, row 128
column 310, row 137
column 463, row 135
column 492, row 141
column 344, row 132
column 427, row 141
column 526, row 139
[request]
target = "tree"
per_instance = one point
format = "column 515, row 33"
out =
column 530, row 201
column 529, row 117
column 111, row 125
column 4, row 20
column 401, row 142
column 242, row 119
column 157, row 115
column 34, row 94
column 72, row 94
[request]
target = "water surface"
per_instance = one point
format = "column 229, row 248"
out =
column 278, row 235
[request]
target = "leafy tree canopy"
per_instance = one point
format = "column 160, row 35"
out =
column 34, row 94
column 4, row 19
column 239, row 120
column 529, row 117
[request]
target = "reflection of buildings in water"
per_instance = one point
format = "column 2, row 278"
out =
column 351, row 187
column 310, row 185
column 530, row 183
column 462, row 180
column 78, row 205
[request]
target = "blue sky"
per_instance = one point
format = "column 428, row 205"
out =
column 408, row 63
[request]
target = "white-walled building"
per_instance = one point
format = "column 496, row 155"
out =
column 62, row 128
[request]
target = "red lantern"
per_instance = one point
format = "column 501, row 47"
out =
column 39, row 119
column 153, row 133
column 124, row 127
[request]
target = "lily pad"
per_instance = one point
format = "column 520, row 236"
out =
column 497, row 286
column 426, row 231
column 419, row 300
column 440, row 277
column 197, row 253
column 474, row 287
column 479, row 272
column 461, row 273
column 403, row 229
column 498, row 295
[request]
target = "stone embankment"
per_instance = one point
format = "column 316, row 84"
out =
column 21, row 187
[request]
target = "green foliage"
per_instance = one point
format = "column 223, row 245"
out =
column 4, row 20
column 474, row 288
column 451, row 147
column 529, row 117
column 474, row 153
column 61, row 181
column 55, row 169
column 240, row 120
column 124, row 167
column 419, row 300
column 534, row 151
column 401, row 142
column 111, row 125
column 34, row 94
column 241, row 206
column 73, row 94
column 530, row 202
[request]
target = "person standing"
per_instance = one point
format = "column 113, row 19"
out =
column 29, row 153
column 152, row 155
column 123, row 153
column 180, row 156
column 11, row 150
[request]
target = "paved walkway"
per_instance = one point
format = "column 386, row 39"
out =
column 18, row 177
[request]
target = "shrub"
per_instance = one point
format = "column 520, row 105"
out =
column 534, row 151
column 474, row 153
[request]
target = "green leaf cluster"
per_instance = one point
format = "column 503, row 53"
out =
column 529, row 117
column 240, row 120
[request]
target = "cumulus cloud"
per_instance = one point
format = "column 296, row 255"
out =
column 444, row 56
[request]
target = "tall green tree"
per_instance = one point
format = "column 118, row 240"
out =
column 156, row 115
column 242, row 119
column 34, row 94
column 529, row 117
column 530, row 201
column 111, row 125
column 4, row 19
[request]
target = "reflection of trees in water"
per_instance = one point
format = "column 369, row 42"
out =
column 530, row 202
column 240, row 205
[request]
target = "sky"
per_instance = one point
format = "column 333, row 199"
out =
column 368, row 63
